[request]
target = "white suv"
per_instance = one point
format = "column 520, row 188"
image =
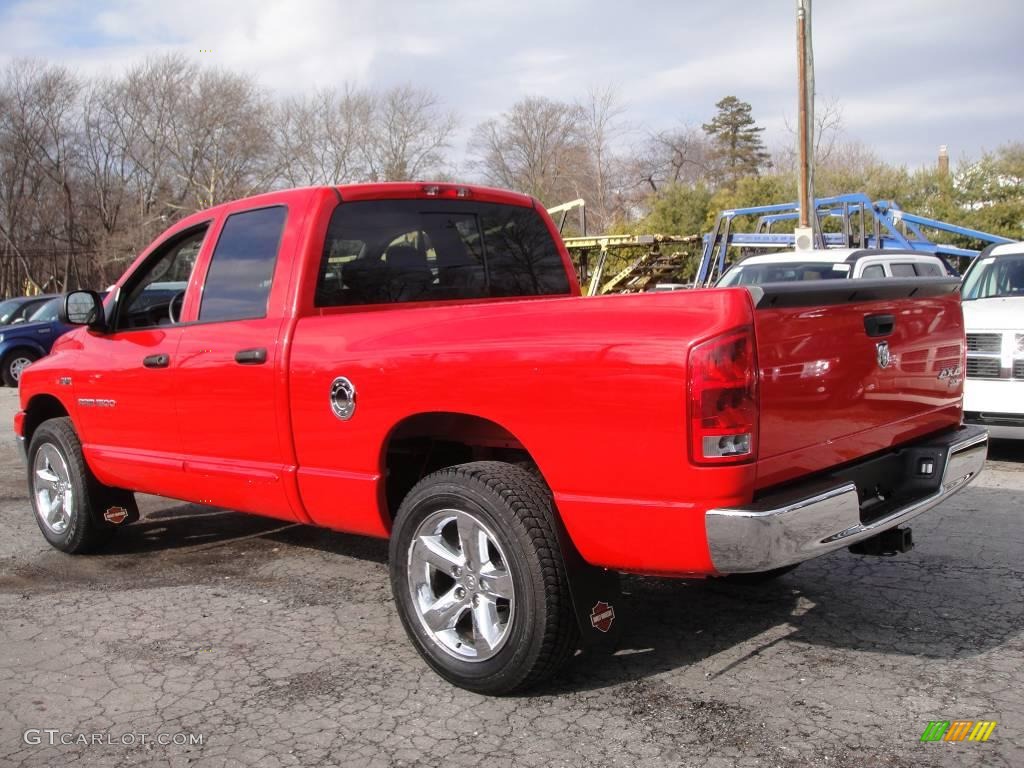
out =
column 993, row 301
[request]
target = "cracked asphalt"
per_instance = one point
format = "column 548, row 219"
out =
column 279, row 646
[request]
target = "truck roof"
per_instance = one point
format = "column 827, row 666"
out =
column 378, row 190
column 829, row 256
column 1005, row 249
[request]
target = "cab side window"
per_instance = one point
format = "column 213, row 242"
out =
column 902, row 270
column 156, row 290
column 242, row 267
column 873, row 271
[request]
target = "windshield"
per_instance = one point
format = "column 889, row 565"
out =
column 993, row 277
column 48, row 312
column 755, row 274
column 7, row 309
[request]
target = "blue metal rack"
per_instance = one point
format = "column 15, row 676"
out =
column 864, row 224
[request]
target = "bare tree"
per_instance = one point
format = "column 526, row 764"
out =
column 536, row 147
column 408, row 134
column 603, row 125
column 39, row 127
column 222, row 145
column 150, row 102
column 319, row 137
column 680, row 155
column 828, row 137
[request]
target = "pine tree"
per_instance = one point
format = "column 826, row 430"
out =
column 738, row 148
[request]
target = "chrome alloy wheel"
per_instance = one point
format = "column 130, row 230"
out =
column 460, row 585
column 17, row 365
column 51, row 484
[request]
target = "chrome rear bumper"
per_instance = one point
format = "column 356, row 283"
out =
column 817, row 518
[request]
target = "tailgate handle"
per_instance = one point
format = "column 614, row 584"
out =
column 251, row 356
column 879, row 325
column 156, row 361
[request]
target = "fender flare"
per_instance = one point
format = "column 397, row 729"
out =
column 10, row 345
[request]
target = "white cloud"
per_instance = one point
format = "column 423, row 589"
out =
column 917, row 68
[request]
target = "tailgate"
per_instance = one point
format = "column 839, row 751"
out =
column 850, row 368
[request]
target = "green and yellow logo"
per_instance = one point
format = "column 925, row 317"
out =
column 958, row 730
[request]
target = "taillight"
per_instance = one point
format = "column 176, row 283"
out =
column 723, row 399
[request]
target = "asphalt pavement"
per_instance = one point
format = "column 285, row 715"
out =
column 203, row 637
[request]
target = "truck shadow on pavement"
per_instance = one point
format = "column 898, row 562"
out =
column 957, row 596
column 1006, row 450
column 198, row 529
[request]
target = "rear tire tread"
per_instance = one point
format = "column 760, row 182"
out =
column 529, row 499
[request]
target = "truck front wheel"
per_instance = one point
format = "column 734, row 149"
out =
column 63, row 489
column 478, row 577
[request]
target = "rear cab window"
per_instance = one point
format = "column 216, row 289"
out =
column 396, row 251
column 928, row 269
column 902, row 270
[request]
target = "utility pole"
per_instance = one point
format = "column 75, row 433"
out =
column 805, row 86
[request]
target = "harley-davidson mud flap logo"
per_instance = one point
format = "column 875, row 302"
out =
column 115, row 515
column 602, row 616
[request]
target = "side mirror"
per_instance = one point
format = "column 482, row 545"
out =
column 83, row 308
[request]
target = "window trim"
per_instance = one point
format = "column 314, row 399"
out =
column 222, row 223
column 155, row 253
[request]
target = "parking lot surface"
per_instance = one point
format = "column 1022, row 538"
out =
column 279, row 645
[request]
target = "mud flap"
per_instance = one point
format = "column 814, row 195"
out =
column 114, row 507
column 596, row 598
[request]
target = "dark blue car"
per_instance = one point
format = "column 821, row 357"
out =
column 24, row 343
column 20, row 308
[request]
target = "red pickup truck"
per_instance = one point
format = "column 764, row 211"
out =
column 414, row 361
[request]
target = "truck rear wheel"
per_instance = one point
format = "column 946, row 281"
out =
column 478, row 577
column 62, row 489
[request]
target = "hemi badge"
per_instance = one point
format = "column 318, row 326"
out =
column 64, row 381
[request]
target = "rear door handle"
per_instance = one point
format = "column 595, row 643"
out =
column 157, row 361
column 879, row 325
column 251, row 356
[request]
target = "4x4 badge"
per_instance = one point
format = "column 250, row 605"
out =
column 884, row 356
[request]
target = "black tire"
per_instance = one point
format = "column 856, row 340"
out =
column 516, row 506
column 760, row 577
column 82, row 531
column 14, row 362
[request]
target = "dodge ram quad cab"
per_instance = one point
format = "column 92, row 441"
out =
column 415, row 361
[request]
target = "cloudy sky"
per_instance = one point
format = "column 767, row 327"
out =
column 909, row 74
